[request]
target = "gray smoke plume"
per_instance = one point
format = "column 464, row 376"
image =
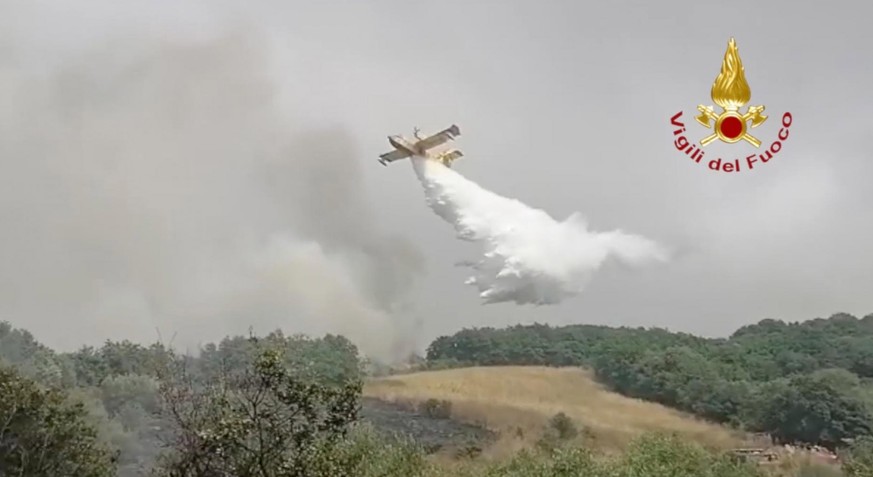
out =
column 158, row 185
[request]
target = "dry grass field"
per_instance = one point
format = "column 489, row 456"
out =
column 518, row 401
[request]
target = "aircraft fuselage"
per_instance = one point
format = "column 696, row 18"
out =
column 401, row 143
column 424, row 147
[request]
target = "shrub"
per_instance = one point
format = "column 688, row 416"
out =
column 661, row 455
column 858, row 461
column 563, row 426
column 559, row 431
column 436, row 409
column 44, row 434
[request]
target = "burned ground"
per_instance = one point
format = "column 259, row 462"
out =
column 433, row 433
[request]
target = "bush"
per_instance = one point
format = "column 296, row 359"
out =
column 366, row 453
column 261, row 421
column 559, row 430
column 858, row 461
column 661, row 455
column 554, row 463
column 563, row 426
column 812, row 469
column 45, row 434
column 436, row 409
column 469, row 451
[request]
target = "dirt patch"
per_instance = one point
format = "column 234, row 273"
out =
column 434, row 434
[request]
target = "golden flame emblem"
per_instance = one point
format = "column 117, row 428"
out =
column 731, row 92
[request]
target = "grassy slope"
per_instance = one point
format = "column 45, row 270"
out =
column 506, row 399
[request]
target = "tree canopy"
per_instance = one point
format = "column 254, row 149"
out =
column 45, row 434
column 806, row 382
column 292, row 400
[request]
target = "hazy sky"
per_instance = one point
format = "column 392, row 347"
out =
column 200, row 167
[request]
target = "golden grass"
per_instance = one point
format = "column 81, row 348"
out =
column 512, row 398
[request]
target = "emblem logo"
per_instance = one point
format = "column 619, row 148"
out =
column 730, row 92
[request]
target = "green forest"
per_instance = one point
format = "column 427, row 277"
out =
column 117, row 409
column 809, row 382
column 283, row 405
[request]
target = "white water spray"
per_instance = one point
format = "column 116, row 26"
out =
column 528, row 257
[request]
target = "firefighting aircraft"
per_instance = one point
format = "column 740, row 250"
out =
column 404, row 148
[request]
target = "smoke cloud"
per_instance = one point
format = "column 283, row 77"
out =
column 527, row 256
column 158, row 185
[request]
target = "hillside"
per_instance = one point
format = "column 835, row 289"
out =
column 804, row 382
column 508, row 398
column 135, row 402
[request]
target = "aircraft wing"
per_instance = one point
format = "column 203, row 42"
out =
column 441, row 137
column 393, row 156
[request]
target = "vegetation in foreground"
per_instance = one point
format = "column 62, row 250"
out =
column 283, row 405
column 264, row 420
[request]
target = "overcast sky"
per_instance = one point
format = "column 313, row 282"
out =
column 200, row 167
